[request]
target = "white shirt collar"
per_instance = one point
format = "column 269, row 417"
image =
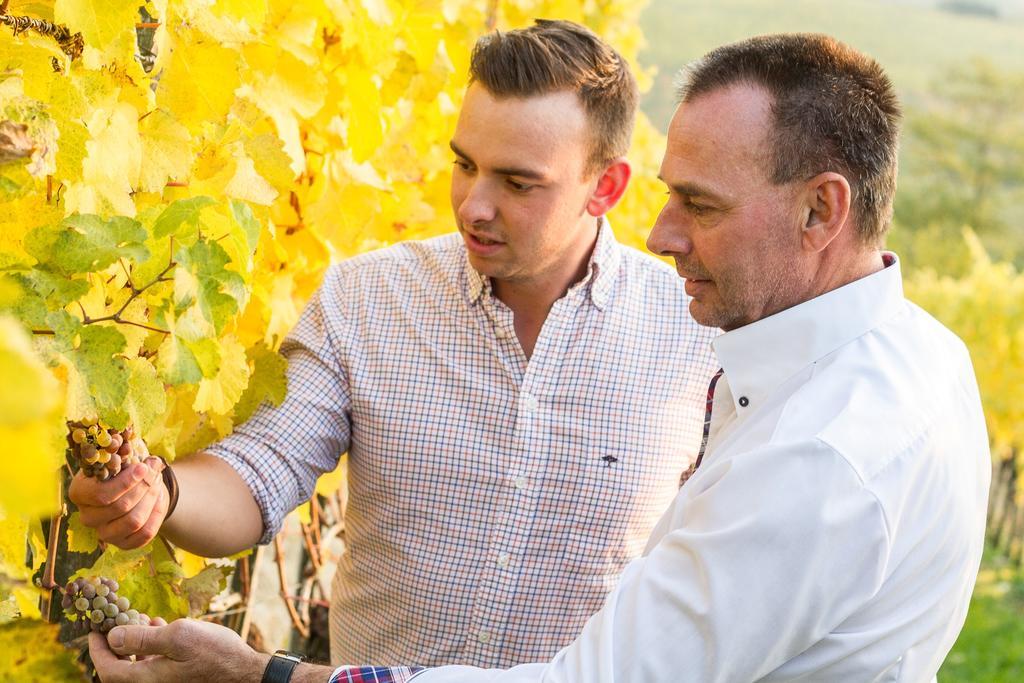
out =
column 760, row 356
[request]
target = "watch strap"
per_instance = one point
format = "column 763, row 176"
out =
column 280, row 667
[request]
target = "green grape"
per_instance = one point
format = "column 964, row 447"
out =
column 111, row 610
column 81, row 604
column 99, row 602
column 122, row 619
column 96, row 616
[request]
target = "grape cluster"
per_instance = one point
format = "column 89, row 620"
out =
column 95, row 601
column 100, row 450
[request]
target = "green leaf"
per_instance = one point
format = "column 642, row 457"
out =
column 30, row 653
column 105, row 374
column 58, row 290
column 243, row 215
column 266, row 384
column 182, row 212
column 204, row 586
column 81, row 539
column 148, row 576
column 86, row 243
column 201, row 274
column 146, row 399
column 177, row 363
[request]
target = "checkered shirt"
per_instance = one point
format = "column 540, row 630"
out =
column 493, row 499
column 373, row 674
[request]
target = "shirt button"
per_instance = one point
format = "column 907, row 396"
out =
column 528, row 402
column 521, row 482
column 503, row 559
column 483, row 636
column 744, row 401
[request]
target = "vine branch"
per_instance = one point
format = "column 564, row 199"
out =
column 116, row 316
column 70, row 44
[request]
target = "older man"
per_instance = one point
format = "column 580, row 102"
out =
column 833, row 527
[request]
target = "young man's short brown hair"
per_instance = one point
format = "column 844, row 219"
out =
column 552, row 56
column 834, row 110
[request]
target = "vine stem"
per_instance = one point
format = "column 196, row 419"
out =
column 116, row 316
column 279, row 560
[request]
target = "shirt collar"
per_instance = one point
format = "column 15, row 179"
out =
column 599, row 279
column 760, row 356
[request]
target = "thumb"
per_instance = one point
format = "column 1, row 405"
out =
column 147, row 640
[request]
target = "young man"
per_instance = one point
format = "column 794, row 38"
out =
column 518, row 401
column 833, row 528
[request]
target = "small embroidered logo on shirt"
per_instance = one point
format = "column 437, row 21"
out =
column 609, row 459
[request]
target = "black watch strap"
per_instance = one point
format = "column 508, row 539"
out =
column 279, row 668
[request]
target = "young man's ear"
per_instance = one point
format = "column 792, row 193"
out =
column 827, row 210
column 610, row 185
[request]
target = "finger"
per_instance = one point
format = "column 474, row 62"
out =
column 144, row 481
column 89, row 494
column 108, row 666
column 168, row 640
column 113, row 669
column 145, row 517
column 152, row 526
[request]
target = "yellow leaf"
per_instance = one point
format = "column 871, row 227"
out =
column 200, row 79
column 364, row 123
column 106, row 25
column 166, row 150
column 112, row 165
column 31, row 426
column 220, row 393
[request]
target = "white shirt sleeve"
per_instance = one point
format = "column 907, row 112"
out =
column 765, row 554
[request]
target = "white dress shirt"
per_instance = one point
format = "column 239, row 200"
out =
column 835, row 527
column 494, row 499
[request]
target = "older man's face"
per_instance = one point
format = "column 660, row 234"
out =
column 734, row 234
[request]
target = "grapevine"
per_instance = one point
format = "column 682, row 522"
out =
column 170, row 184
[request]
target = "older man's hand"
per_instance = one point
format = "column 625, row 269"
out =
column 184, row 650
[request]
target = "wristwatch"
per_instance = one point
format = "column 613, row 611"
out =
column 279, row 668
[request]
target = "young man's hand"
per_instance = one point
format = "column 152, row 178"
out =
column 126, row 510
column 184, row 650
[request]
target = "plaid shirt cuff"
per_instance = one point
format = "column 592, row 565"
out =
column 374, row 674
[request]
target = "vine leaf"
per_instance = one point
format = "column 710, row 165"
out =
column 31, row 426
column 204, row 586
column 86, row 243
column 81, row 539
column 30, row 652
column 183, row 212
column 96, row 360
column 267, row 383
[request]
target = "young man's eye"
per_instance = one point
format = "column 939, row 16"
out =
column 462, row 164
column 519, row 187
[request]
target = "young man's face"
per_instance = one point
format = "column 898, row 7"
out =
column 518, row 187
column 734, row 234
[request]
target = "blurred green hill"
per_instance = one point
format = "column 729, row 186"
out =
column 917, row 44
column 958, row 66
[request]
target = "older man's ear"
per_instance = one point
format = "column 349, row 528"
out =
column 826, row 210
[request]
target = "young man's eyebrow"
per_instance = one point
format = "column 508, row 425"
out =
column 519, row 172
